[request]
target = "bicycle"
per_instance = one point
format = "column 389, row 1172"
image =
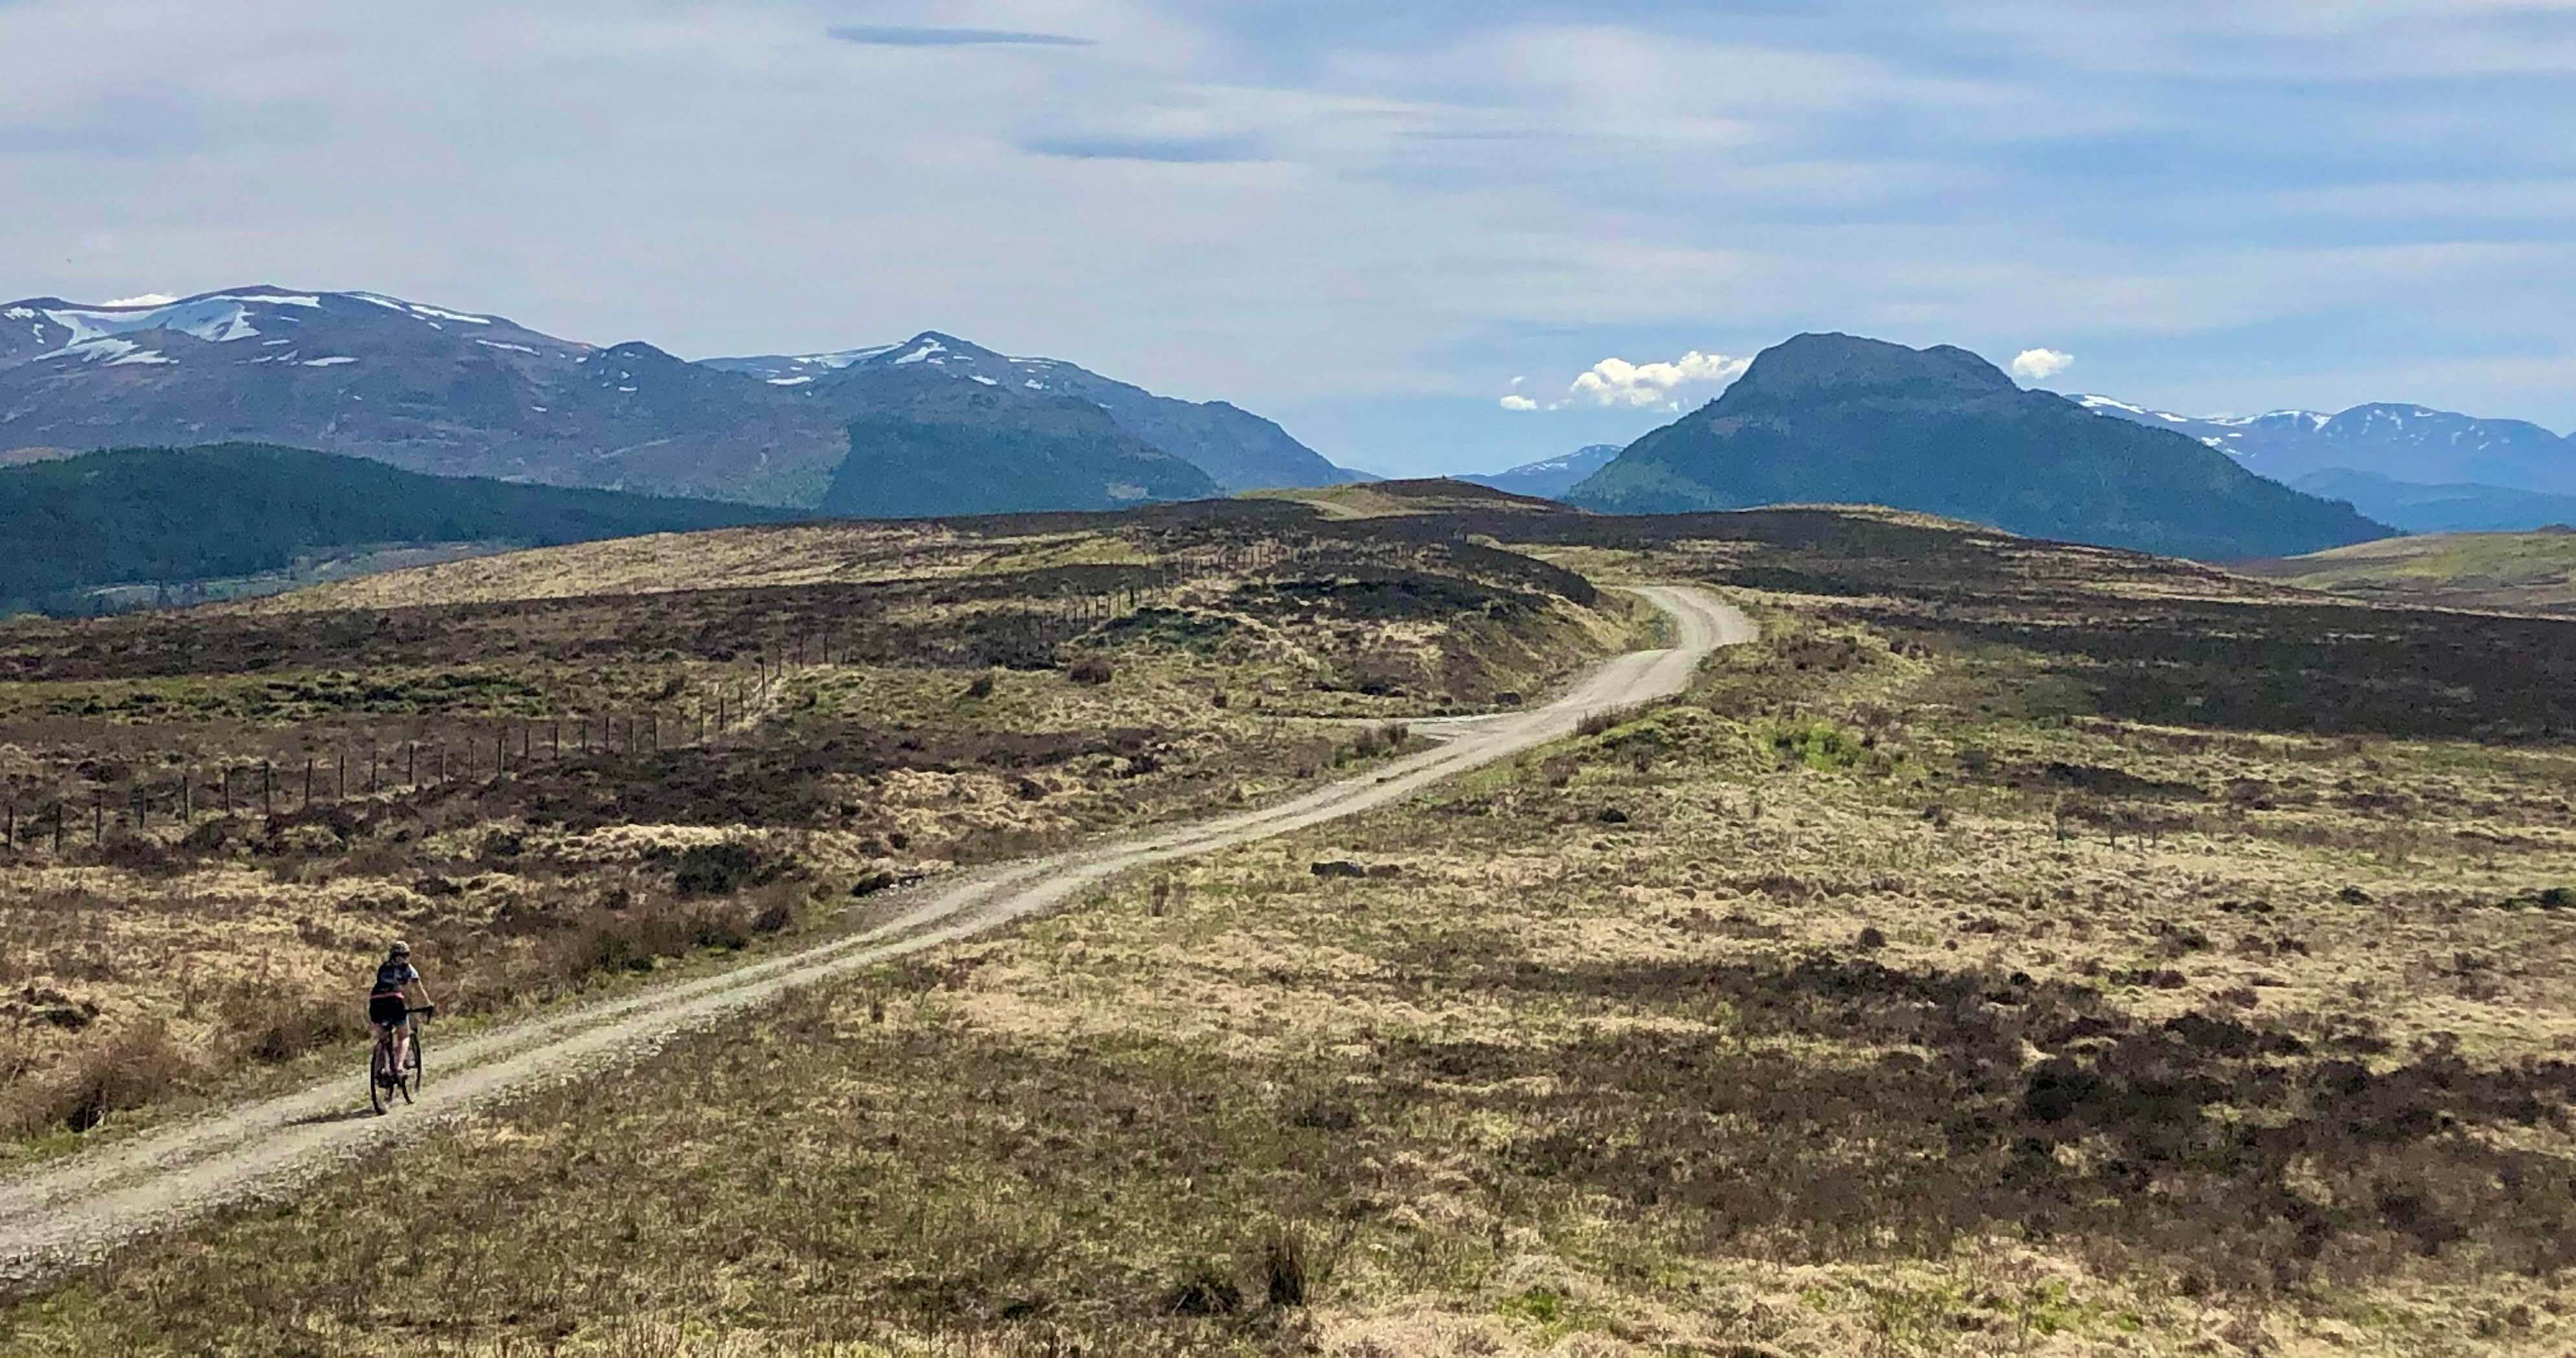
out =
column 384, row 1080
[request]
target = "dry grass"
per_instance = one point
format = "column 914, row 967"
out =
column 1909, row 987
column 1183, row 680
column 1884, row 995
column 2451, row 570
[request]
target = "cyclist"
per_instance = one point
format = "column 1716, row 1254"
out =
column 388, row 1006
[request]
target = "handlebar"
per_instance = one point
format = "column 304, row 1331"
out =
column 424, row 1009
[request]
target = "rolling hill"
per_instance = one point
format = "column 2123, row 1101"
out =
column 173, row 515
column 1837, row 418
column 927, row 444
column 2441, row 508
column 2522, row 571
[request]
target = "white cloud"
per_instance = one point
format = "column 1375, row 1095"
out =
column 1619, row 384
column 1516, row 401
column 145, row 299
column 2039, row 365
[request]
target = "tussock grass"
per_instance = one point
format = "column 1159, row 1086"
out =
column 1928, row 993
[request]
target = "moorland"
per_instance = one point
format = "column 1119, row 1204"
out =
column 2021, row 948
column 552, row 770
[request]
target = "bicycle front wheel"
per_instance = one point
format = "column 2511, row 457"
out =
column 411, row 1067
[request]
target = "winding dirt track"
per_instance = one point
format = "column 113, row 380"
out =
column 67, row 1214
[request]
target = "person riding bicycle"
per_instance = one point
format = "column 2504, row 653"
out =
column 389, row 1004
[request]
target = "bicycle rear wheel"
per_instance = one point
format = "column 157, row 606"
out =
column 377, row 1091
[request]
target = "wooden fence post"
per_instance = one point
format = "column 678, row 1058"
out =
column 411, row 763
column 308, row 781
column 97, row 819
column 340, row 775
column 554, row 739
column 59, row 808
column 267, row 788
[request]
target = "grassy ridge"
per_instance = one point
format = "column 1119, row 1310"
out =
column 235, row 509
column 2535, row 570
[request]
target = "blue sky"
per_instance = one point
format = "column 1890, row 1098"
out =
column 1374, row 222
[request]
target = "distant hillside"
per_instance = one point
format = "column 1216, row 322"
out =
column 1836, row 418
column 2447, row 508
column 173, row 515
column 1552, row 478
column 1380, row 499
column 449, row 392
column 2407, row 443
column 425, row 388
column 2529, row 571
column 930, row 445
column 1238, row 449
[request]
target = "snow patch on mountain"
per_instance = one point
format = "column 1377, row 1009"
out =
column 417, row 310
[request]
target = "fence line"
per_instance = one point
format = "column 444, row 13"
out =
column 425, row 764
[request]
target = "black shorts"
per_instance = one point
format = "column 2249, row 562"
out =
column 387, row 1009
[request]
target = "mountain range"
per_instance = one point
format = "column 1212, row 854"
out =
column 439, row 390
column 1549, row 478
column 2421, row 469
column 1839, row 418
column 2408, row 443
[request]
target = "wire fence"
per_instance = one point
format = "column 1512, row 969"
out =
column 468, row 752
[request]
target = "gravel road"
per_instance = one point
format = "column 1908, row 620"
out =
column 71, row 1212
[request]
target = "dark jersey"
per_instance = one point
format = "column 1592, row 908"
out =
column 394, row 975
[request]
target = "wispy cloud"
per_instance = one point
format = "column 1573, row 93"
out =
column 1215, row 150
column 900, row 35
